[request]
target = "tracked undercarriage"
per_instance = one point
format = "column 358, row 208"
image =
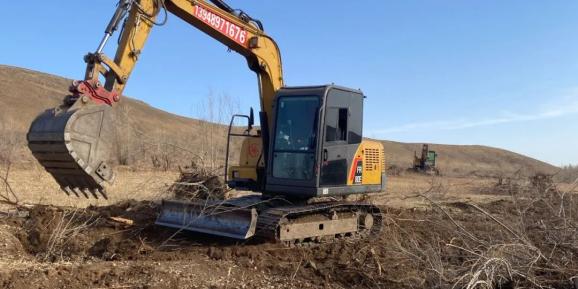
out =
column 278, row 220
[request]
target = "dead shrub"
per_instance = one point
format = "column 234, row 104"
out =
column 68, row 228
column 394, row 170
column 567, row 174
column 530, row 241
column 196, row 182
column 55, row 234
column 9, row 141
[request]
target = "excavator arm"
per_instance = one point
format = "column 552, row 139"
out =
column 73, row 141
column 238, row 32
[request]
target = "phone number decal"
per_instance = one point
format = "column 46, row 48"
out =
column 229, row 29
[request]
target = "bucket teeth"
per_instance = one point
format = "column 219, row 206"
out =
column 103, row 193
column 65, row 190
column 69, row 191
column 93, row 192
column 82, row 192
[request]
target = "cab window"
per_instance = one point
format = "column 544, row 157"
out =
column 336, row 120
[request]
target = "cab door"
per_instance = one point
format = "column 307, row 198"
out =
column 295, row 141
column 341, row 136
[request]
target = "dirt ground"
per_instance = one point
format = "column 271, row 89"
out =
column 153, row 185
column 439, row 233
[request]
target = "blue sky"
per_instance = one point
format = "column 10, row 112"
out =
column 498, row 73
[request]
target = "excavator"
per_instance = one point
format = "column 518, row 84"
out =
column 305, row 157
column 426, row 163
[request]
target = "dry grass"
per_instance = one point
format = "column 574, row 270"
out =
column 38, row 187
column 447, row 189
column 35, row 186
column 527, row 240
column 69, row 226
column 567, row 174
column 467, row 161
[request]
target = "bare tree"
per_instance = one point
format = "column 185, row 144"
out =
column 215, row 111
column 8, row 146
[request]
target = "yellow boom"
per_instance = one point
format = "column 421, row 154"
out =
column 73, row 141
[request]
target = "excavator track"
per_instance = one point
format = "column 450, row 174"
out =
column 274, row 220
column 317, row 223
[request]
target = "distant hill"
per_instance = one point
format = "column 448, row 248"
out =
column 146, row 134
column 152, row 135
column 468, row 159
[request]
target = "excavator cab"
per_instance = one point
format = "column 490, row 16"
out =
column 315, row 148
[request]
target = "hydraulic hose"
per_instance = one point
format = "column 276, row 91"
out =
column 221, row 4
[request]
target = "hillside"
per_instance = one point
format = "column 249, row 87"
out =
column 469, row 159
column 157, row 136
column 145, row 133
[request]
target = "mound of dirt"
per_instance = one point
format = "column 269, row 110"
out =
column 10, row 246
column 55, row 233
column 63, row 234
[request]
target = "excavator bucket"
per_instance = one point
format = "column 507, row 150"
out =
column 215, row 218
column 73, row 144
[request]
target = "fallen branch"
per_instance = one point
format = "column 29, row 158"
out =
column 122, row 220
column 5, row 198
column 526, row 242
column 470, row 235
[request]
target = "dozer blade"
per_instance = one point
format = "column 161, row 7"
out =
column 73, row 145
column 218, row 219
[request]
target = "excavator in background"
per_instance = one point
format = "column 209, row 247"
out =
column 426, row 163
column 307, row 154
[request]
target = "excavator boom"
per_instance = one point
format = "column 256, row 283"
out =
column 73, row 141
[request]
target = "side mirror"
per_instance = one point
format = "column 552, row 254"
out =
column 251, row 119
